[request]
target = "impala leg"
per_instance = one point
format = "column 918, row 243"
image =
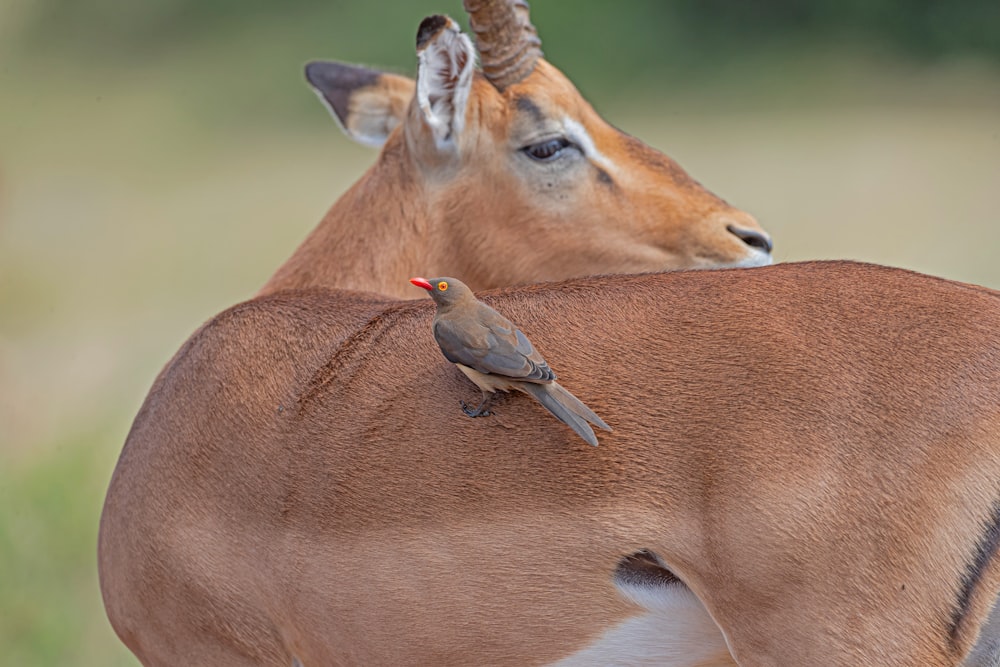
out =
column 481, row 410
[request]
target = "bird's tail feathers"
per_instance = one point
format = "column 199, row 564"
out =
column 551, row 402
column 577, row 406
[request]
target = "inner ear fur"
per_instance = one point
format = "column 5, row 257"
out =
column 446, row 62
column 368, row 104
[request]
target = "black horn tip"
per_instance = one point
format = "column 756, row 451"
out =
column 429, row 27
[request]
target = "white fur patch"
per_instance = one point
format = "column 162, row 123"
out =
column 578, row 135
column 444, row 79
column 755, row 257
column 675, row 631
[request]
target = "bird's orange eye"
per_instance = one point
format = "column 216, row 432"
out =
column 443, row 286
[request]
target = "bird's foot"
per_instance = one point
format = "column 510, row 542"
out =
column 479, row 411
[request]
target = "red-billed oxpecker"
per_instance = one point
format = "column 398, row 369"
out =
column 496, row 355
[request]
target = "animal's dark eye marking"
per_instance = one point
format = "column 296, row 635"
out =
column 548, row 149
column 526, row 105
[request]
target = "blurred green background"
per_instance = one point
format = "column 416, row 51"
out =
column 159, row 159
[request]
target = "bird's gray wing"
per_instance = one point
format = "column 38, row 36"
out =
column 491, row 348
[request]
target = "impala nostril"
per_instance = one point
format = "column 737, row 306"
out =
column 752, row 238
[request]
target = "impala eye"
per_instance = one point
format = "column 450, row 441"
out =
column 548, row 149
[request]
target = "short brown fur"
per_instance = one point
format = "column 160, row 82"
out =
column 813, row 449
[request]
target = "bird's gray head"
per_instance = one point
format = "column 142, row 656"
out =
column 444, row 291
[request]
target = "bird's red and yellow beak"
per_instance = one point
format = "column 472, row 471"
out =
column 422, row 282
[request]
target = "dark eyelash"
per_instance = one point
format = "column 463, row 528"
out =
column 548, row 149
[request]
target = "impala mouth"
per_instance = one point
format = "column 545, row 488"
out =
column 756, row 257
column 752, row 259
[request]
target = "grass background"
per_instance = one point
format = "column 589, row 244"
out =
column 155, row 168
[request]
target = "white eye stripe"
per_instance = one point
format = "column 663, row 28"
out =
column 578, row 135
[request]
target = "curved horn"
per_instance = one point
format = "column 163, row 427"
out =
column 507, row 42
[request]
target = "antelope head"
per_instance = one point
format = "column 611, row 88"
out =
column 502, row 175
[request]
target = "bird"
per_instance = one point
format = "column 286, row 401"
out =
column 492, row 352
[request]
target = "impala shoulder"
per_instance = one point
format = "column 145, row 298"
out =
column 358, row 344
column 278, row 339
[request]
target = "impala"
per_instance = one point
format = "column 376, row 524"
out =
column 501, row 177
column 805, row 467
column 804, row 470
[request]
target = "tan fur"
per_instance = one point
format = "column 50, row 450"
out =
column 376, row 110
column 813, row 449
column 486, row 213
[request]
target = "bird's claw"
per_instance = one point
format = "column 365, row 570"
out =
column 474, row 412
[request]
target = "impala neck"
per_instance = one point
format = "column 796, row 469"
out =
column 374, row 238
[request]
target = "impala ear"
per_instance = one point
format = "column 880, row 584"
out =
column 446, row 61
column 368, row 104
